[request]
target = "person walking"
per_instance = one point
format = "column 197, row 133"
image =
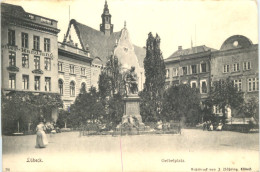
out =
column 41, row 138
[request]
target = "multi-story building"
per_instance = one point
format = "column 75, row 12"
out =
column 29, row 52
column 199, row 66
column 74, row 67
column 238, row 60
column 190, row 66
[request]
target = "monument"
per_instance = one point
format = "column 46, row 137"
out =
column 131, row 119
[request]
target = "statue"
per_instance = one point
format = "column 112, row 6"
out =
column 131, row 80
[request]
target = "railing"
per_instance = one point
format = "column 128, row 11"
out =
column 73, row 49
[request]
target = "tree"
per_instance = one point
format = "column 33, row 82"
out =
column 111, row 91
column 152, row 95
column 20, row 109
column 181, row 102
column 115, row 111
column 224, row 94
column 251, row 108
column 111, row 78
column 86, row 108
column 63, row 119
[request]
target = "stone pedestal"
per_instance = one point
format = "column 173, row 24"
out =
column 132, row 111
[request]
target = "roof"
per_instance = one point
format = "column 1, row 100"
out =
column 189, row 51
column 17, row 11
column 99, row 44
column 13, row 10
column 236, row 41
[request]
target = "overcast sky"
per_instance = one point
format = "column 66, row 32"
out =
column 207, row 22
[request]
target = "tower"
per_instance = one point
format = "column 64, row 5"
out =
column 106, row 27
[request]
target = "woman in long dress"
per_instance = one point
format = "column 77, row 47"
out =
column 41, row 139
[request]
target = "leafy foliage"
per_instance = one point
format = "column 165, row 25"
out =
column 86, row 108
column 115, row 111
column 111, row 91
column 152, row 95
column 26, row 107
column 224, row 94
column 182, row 103
column 251, row 108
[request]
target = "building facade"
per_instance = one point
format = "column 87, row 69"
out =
column 237, row 60
column 190, row 66
column 29, row 52
column 74, row 67
column 105, row 42
column 200, row 66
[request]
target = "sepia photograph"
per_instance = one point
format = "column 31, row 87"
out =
column 129, row 86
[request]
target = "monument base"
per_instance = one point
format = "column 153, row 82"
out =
column 132, row 117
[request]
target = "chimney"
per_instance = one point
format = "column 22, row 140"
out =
column 179, row 48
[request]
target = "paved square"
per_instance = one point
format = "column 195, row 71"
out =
column 192, row 149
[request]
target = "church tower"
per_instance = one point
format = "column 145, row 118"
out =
column 106, row 27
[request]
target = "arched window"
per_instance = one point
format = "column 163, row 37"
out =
column 72, row 88
column 61, row 86
column 83, row 87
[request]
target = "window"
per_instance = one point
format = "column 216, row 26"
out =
column 61, row 86
column 12, row 59
column 226, row 69
column 203, row 87
column 36, row 42
column 238, row 84
column 36, row 83
column 47, row 43
column 167, row 73
column 12, row 80
column 193, row 84
column 36, row 62
column 83, row 71
column 11, row 37
column 247, row 65
column 72, row 67
column 252, row 84
column 184, row 69
column 72, row 88
column 236, row 67
column 193, row 69
column 25, row 60
column 25, row 82
column 83, row 86
column 203, row 67
column 217, row 110
column 47, row 63
column 60, row 67
column 47, row 84
column 25, row 40
column 174, row 72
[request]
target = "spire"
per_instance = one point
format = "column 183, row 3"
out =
column 125, row 24
column 106, row 8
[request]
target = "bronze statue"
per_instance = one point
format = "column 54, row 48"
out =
column 131, row 81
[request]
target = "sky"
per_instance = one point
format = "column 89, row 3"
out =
column 178, row 23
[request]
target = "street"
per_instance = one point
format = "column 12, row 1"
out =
column 192, row 149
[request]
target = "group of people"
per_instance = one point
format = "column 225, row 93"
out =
column 208, row 125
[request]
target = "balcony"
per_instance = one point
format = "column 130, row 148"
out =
column 41, row 20
column 73, row 49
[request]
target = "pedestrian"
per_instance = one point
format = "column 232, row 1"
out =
column 41, row 138
column 204, row 126
column 211, row 127
column 219, row 128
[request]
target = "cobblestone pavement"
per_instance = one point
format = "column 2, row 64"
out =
column 192, row 149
